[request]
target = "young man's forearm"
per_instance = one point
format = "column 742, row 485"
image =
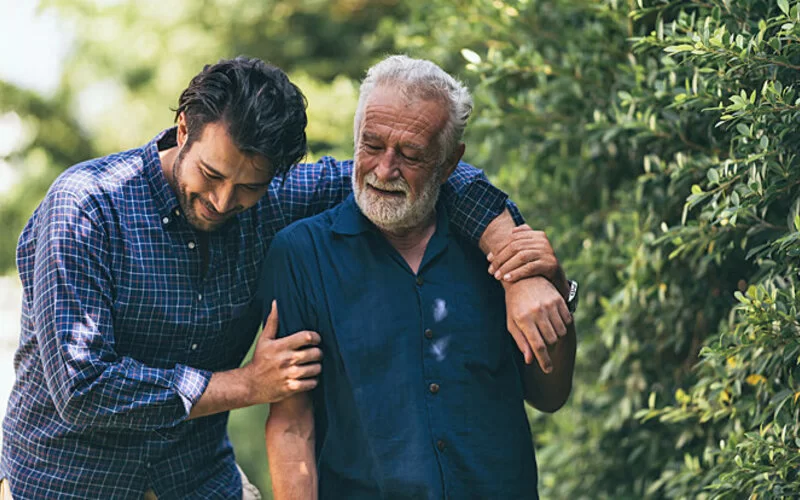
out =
column 290, row 442
column 225, row 391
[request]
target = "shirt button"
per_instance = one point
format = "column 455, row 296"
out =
column 199, row 296
column 148, row 465
column 441, row 445
column 191, row 245
column 419, row 280
column 165, row 220
column 194, row 347
column 428, row 334
column 177, row 212
column 434, row 388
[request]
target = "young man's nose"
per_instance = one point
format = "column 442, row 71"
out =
column 223, row 200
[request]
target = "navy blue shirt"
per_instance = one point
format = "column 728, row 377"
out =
column 421, row 392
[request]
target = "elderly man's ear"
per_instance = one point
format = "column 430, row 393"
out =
column 452, row 162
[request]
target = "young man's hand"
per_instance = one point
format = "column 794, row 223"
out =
column 526, row 254
column 283, row 367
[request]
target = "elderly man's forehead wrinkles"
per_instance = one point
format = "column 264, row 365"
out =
column 370, row 136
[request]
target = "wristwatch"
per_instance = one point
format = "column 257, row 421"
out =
column 572, row 299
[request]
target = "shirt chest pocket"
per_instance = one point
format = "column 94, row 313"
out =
column 474, row 334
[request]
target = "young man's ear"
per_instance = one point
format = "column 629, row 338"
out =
column 452, row 162
column 183, row 131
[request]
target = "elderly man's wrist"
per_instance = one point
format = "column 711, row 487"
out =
column 562, row 283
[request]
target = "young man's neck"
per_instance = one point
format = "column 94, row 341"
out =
column 411, row 243
column 167, row 157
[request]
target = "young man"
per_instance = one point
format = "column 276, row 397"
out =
column 139, row 271
column 421, row 395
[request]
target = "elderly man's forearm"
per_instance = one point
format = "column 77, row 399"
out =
column 290, row 441
column 549, row 392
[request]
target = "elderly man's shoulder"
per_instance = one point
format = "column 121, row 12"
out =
column 310, row 230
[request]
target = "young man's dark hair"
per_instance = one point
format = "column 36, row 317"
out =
column 264, row 113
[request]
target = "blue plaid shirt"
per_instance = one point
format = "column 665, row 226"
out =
column 121, row 330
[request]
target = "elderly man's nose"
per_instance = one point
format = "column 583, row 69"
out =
column 387, row 167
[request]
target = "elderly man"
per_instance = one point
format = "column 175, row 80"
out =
column 422, row 390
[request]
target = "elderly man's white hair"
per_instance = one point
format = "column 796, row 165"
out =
column 418, row 78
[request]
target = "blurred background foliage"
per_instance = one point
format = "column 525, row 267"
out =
column 653, row 140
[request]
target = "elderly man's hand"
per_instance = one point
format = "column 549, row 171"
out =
column 528, row 253
column 537, row 317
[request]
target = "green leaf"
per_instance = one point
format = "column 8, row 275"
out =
column 674, row 49
column 471, row 56
column 713, row 175
column 784, row 6
column 743, row 129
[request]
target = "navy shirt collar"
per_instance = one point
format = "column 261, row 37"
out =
column 350, row 221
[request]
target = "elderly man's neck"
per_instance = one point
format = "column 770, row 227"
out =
column 412, row 242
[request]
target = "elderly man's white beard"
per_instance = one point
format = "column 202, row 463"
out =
column 395, row 213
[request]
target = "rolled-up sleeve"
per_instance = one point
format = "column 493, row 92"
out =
column 73, row 297
column 473, row 202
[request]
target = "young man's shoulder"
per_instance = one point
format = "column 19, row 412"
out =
column 99, row 176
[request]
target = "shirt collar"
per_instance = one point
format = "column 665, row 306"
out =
column 164, row 196
column 351, row 221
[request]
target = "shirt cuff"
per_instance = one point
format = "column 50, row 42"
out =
column 515, row 213
column 190, row 383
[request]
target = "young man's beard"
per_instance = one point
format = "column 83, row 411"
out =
column 186, row 200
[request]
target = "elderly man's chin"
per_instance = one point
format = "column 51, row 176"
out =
column 385, row 211
column 395, row 213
